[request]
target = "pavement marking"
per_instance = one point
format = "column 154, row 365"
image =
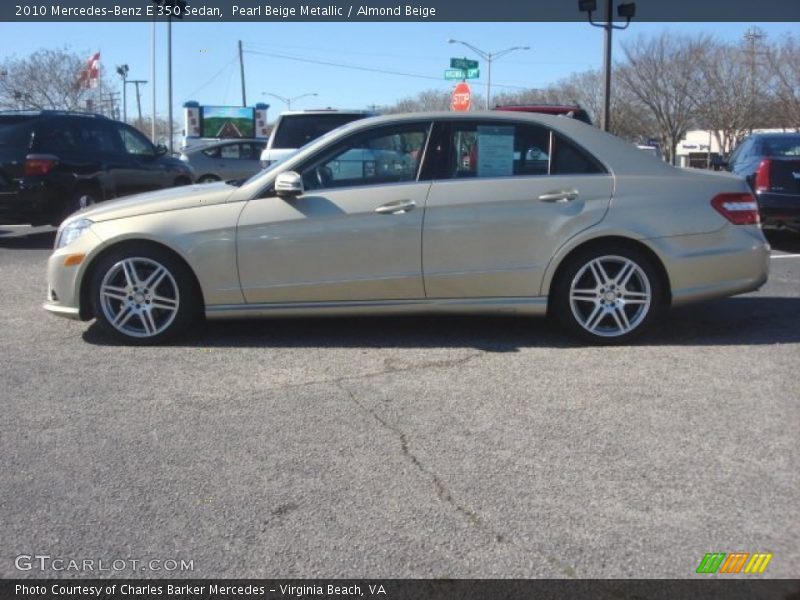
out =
column 785, row 256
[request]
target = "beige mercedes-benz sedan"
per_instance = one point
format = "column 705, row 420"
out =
column 429, row 212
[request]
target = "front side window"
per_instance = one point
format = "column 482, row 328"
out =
column 498, row 149
column 382, row 156
column 135, row 142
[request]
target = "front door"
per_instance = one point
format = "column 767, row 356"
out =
column 354, row 234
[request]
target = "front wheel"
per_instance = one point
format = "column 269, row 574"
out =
column 608, row 295
column 143, row 295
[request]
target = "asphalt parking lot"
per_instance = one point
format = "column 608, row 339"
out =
column 402, row 447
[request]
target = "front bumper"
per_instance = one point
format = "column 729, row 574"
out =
column 64, row 282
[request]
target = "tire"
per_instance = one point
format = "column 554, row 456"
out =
column 208, row 179
column 143, row 295
column 609, row 294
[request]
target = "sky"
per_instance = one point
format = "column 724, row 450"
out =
column 285, row 58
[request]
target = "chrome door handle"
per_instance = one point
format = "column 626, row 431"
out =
column 559, row 196
column 398, row 207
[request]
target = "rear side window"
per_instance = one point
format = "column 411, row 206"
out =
column 294, row 131
column 497, row 149
column 56, row 136
column 95, row 136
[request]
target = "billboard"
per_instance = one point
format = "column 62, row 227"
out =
column 227, row 122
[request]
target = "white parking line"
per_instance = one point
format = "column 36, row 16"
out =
column 785, row 256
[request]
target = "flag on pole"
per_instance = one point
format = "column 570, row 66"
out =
column 89, row 76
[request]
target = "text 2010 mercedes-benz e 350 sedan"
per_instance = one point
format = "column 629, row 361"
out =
column 428, row 212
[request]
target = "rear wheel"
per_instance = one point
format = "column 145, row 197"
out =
column 608, row 295
column 143, row 295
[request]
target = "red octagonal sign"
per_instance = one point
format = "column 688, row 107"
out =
column 461, row 98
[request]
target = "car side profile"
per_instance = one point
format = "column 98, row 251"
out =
column 53, row 163
column 485, row 212
column 221, row 161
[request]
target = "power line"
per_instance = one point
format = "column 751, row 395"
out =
column 213, row 77
column 363, row 68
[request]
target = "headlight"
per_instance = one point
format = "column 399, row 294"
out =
column 71, row 232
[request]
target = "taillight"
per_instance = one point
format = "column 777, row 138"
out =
column 763, row 175
column 39, row 164
column 739, row 209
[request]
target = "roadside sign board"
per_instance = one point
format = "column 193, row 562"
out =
column 462, row 73
column 461, row 99
column 463, row 63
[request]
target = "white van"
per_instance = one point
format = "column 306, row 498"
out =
column 295, row 128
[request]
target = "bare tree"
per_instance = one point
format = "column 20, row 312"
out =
column 722, row 99
column 660, row 73
column 783, row 64
column 47, row 79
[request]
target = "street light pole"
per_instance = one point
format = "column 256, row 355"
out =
column 288, row 101
column 488, row 57
column 627, row 11
column 122, row 70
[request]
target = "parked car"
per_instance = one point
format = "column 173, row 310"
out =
column 770, row 163
column 569, row 110
column 293, row 129
column 221, row 161
column 527, row 227
column 53, row 163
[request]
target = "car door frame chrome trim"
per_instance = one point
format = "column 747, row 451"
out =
column 536, row 306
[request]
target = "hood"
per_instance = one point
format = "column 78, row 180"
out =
column 176, row 198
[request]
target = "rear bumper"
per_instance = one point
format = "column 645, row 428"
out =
column 779, row 211
column 28, row 203
column 733, row 260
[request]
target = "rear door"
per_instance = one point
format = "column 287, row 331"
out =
column 507, row 195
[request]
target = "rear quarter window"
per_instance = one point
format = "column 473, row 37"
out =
column 15, row 133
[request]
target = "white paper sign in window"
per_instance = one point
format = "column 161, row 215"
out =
column 495, row 151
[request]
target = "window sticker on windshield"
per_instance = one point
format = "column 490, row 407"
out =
column 495, row 151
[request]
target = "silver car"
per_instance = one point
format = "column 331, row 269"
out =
column 479, row 212
column 222, row 161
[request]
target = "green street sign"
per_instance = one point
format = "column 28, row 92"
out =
column 463, row 63
column 455, row 74
column 473, row 73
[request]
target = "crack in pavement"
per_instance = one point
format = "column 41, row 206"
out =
column 444, row 494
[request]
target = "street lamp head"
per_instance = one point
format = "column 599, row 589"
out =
column 587, row 5
column 627, row 10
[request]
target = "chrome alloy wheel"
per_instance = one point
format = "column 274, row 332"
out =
column 610, row 296
column 139, row 297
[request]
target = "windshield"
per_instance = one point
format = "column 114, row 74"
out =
column 295, row 131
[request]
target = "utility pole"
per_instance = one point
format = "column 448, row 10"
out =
column 110, row 100
column 241, row 71
column 136, row 82
column 752, row 37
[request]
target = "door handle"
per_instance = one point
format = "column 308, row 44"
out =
column 559, row 196
column 398, row 207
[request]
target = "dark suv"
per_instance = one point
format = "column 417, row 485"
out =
column 53, row 163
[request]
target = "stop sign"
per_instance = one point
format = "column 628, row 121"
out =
column 461, row 98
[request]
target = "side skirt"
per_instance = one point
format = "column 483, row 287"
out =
column 522, row 306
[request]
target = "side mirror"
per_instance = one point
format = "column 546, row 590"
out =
column 161, row 150
column 289, row 184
